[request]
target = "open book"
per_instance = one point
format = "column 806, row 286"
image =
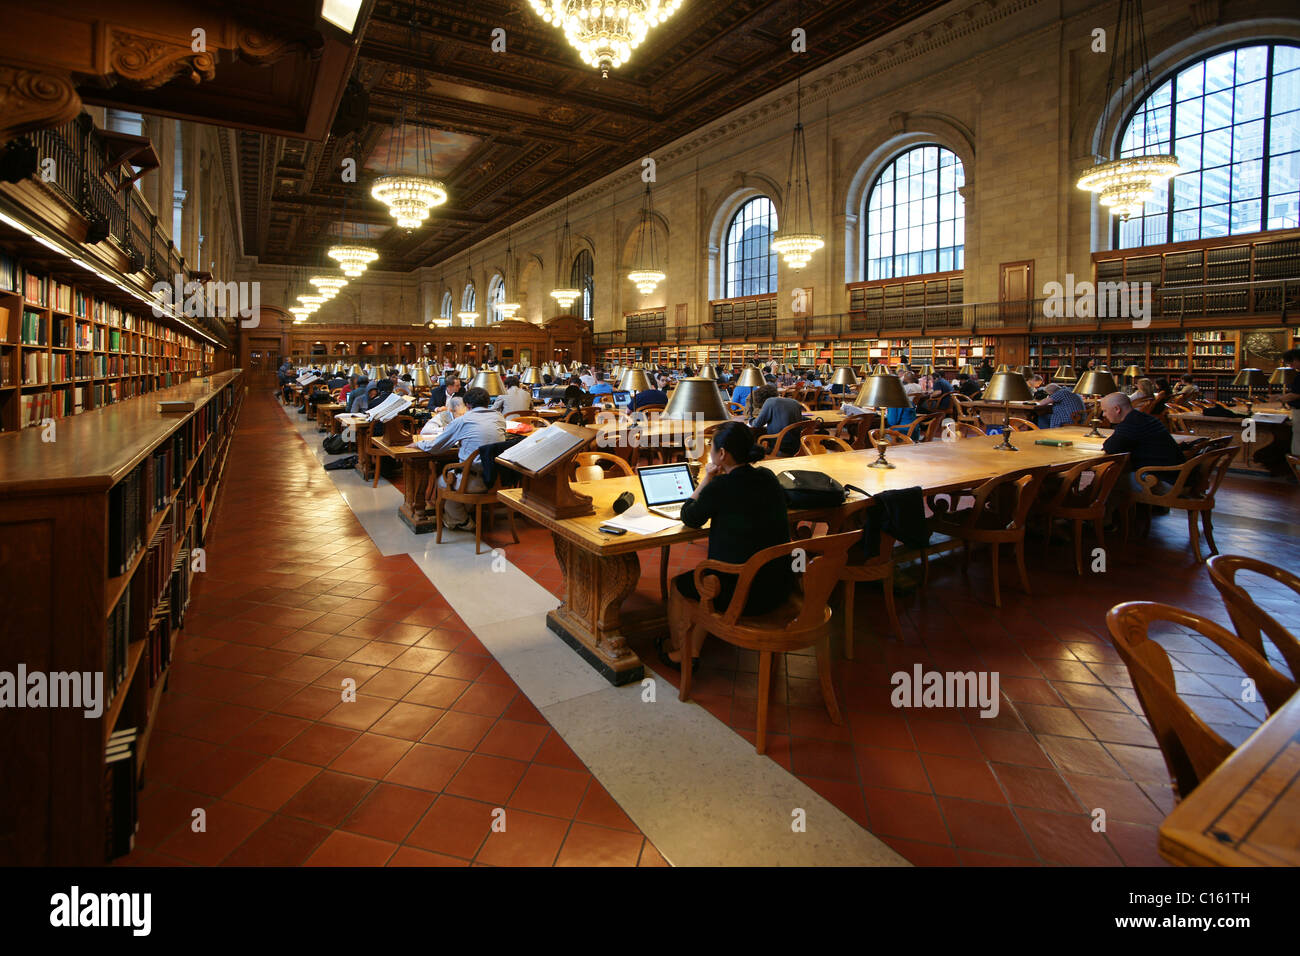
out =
column 390, row 408
column 542, row 448
column 307, row 378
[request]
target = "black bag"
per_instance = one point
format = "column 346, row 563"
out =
column 342, row 463
column 334, row 445
column 810, row 489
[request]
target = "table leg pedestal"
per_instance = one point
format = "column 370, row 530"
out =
column 589, row 619
column 414, row 512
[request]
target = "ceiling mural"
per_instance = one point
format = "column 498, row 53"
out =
column 513, row 132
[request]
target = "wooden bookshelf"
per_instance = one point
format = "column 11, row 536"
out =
column 64, row 351
column 61, row 503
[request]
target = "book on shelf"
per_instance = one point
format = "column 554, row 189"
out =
column 121, row 794
column 173, row 407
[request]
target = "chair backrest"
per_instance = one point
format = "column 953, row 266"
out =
column 1002, row 502
column 1080, row 418
column 1192, row 750
column 822, row 444
column 888, row 437
column 822, row 559
column 787, row 439
column 735, row 408
column 969, row 430
column 855, row 428
column 1073, row 493
column 1143, row 404
column 1021, row 424
column 595, row 465
column 1248, row 618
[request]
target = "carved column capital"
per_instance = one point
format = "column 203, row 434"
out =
column 149, row 62
column 31, row 100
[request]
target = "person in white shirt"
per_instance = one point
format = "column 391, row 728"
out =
column 514, row 398
column 587, row 379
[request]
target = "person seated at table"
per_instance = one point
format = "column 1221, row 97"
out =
column 586, row 378
column 1146, row 440
column 403, row 385
column 651, row 396
column 939, row 398
column 1037, row 385
column 1143, row 388
column 479, row 425
column 968, row 385
column 745, row 509
column 1058, row 408
column 514, row 399
column 985, row 371
column 574, row 395
column 600, row 386
column 349, row 387
column 1186, row 389
column 1163, row 393
column 912, row 388
column 440, row 394
column 358, row 395
column 776, row 414
column 336, row 380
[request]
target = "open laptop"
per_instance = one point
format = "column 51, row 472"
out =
column 622, row 399
column 666, row 487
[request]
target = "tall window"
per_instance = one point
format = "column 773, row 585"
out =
column 496, row 295
column 467, row 298
column 583, row 278
column 1234, row 121
column 446, row 305
column 750, row 267
column 915, row 217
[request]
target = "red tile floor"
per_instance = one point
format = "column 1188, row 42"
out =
column 951, row 788
column 253, row 730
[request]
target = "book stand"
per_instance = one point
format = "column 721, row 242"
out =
column 548, row 490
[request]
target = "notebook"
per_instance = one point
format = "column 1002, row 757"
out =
column 666, row 487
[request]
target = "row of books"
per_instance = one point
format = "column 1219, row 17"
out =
column 116, row 645
column 11, row 274
column 33, row 330
column 121, row 793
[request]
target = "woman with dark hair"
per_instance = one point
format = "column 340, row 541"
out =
column 746, row 508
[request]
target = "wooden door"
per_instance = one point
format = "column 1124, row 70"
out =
column 1015, row 292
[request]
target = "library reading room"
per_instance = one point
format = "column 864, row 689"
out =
column 650, row 433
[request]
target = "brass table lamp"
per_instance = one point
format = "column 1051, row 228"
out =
column 696, row 399
column 881, row 391
column 422, row 377
column 1063, row 374
column 491, row 381
column 1007, row 387
column 634, row 380
column 532, row 376
column 707, row 371
column 1250, row 379
column 967, row 369
column 1095, row 383
column 1133, row 373
column 751, row 378
column 845, row 377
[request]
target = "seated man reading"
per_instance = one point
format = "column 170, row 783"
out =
column 480, row 425
column 1146, row 440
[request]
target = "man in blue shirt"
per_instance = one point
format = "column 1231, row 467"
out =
column 777, row 414
column 359, row 396
column 601, row 387
column 1063, row 404
column 480, row 425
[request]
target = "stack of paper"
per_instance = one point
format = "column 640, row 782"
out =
column 389, row 408
column 639, row 520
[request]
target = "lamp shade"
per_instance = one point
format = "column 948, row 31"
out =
column 532, row 376
column 923, row 369
column 696, row 398
column 1095, row 382
column 1250, row 378
column 466, row 372
column 491, row 381
column 844, row 376
column 1007, row 387
column 1279, row 375
column 634, row 380
column 1002, row 368
column 882, row 370
column 1064, row 374
column 882, row 390
column 422, row 377
column 708, row 371
column 356, row 370
column 967, row 369
column 751, row 378
column 1133, row 371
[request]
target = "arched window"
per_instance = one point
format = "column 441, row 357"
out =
column 446, row 305
column 467, row 298
column 750, row 264
column 496, row 295
column 915, row 219
column 583, row 278
column 1233, row 119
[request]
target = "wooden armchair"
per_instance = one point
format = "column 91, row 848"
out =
column 969, row 430
column 1074, row 500
column 1248, row 618
column 888, row 437
column 595, row 465
column 734, row 408
column 1022, row 424
column 964, row 408
column 858, row 567
column 537, row 421
column 855, row 429
column 1192, row 750
column 456, row 478
column 822, row 444
column 997, row 517
column 802, row 621
column 772, row 444
column 1192, row 486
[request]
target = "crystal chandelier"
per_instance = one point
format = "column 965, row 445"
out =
column 409, row 199
column 797, row 243
column 1123, row 185
column 467, row 316
column 645, row 266
column 605, row 32
column 353, row 260
column 328, row 286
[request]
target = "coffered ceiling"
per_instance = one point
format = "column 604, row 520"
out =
column 512, row 132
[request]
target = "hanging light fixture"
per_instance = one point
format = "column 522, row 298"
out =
column 796, row 241
column 328, row 285
column 645, row 267
column 566, row 296
column 1123, row 185
column 353, row 260
column 508, row 307
column 467, row 316
column 605, row 32
column 440, row 321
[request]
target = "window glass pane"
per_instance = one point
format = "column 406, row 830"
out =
column 750, row 262
column 921, row 227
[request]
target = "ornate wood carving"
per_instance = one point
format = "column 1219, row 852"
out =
column 148, row 62
column 31, row 100
column 263, row 48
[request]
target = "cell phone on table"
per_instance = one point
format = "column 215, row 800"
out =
column 610, row 529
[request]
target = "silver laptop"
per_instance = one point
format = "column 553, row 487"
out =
column 666, row 488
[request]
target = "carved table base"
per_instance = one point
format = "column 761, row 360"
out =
column 589, row 619
column 416, row 513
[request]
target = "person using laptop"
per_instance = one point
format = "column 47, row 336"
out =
column 746, row 512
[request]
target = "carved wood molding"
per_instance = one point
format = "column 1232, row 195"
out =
column 264, row 48
column 31, row 100
column 148, row 62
